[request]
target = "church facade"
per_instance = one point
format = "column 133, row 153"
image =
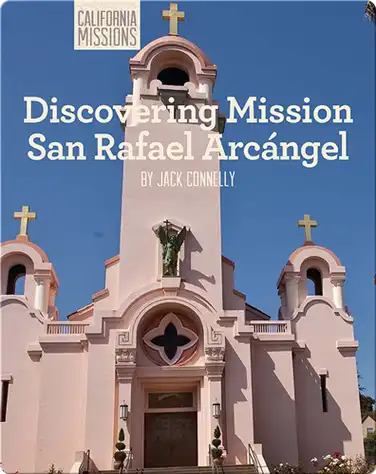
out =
column 169, row 348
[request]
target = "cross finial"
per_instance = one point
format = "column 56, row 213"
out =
column 307, row 224
column 24, row 216
column 174, row 16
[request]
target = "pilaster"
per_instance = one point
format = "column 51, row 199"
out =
column 125, row 367
column 214, row 365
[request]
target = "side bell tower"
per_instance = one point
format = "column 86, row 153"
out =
column 26, row 271
column 324, row 363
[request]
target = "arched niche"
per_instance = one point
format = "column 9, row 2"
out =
column 315, row 278
column 173, row 76
column 17, row 274
column 314, row 282
column 16, row 280
column 174, row 68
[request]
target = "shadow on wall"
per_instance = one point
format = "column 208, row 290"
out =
column 274, row 408
column 234, row 388
column 193, row 276
column 277, row 414
column 320, row 432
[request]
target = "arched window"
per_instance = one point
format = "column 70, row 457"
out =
column 173, row 76
column 314, row 282
column 16, row 280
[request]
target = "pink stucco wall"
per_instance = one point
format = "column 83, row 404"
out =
column 274, row 405
column 61, row 414
column 20, row 429
column 340, row 428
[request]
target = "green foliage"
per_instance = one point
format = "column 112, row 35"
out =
column 370, row 444
column 366, row 404
column 338, row 463
column 120, row 456
column 216, row 452
column 286, row 468
column 370, row 11
column 52, row 470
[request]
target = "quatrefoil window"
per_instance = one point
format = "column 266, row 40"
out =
column 170, row 339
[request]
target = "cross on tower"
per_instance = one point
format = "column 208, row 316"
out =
column 24, row 216
column 174, row 16
column 166, row 223
column 307, row 224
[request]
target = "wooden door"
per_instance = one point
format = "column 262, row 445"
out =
column 170, row 439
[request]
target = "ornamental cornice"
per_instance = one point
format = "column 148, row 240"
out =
column 337, row 281
column 125, row 372
column 215, row 354
column 125, row 355
column 292, row 277
column 123, row 338
column 214, row 370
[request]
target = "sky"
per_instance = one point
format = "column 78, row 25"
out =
column 283, row 51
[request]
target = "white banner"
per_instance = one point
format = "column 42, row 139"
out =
column 107, row 24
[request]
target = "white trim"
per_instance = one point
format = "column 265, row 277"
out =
column 168, row 390
column 160, row 330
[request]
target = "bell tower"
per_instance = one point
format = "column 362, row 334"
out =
column 158, row 182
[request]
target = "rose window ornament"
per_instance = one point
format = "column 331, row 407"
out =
column 170, row 339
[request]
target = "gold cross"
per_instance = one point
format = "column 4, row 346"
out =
column 24, row 216
column 174, row 16
column 307, row 224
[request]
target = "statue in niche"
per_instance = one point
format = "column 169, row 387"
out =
column 171, row 244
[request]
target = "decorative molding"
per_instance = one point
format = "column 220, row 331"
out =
column 216, row 337
column 228, row 318
column 70, row 342
column 125, row 372
column 171, row 283
column 112, row 261
column 100, row 295
column 160, row 330
column 125, row 356
column 312, row 300
column 239, row 293
column 41, row 275
column 123, row 338
column 323, row 372
column 34, row 350
column 214, row 370
column 215, row 354
column 292, row 277
column 337, row 281
column 300, row 346
column 347, row 346
column 145, row 299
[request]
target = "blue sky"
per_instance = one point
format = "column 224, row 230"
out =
column 284, row 51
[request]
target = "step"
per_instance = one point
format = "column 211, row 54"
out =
column 227, row 469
